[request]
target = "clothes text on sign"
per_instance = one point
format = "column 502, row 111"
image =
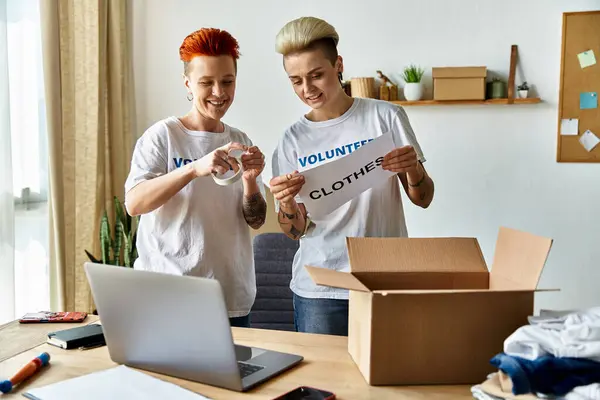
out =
column 337, row 185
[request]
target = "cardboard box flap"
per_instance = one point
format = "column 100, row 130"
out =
column 415, row 255
column 459, row 72
column 337, row 279
column 423, row 280
column 519, row 259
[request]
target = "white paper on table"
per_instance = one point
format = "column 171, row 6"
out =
column 569, row 126
column 115, row 383
column 588, row 140
column 329, row 186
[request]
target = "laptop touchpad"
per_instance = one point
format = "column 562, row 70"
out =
column 244, row 353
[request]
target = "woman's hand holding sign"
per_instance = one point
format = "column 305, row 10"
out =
column 286, row 187
column 401, row 159
column 417, row 183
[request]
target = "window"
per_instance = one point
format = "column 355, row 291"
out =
column 24, row 283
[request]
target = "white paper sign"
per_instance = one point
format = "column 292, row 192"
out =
column 569, row 126
column 588, row 140
column 329, row 186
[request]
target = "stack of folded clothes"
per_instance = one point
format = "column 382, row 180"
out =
column 556, row 356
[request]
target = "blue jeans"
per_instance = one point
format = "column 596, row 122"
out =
column 240, row 322
column 325, row 316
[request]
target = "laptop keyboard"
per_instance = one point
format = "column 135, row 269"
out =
column 248, row 369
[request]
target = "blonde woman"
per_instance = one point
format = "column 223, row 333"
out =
column 336, row 121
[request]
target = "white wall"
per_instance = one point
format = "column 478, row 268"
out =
column 492, row 165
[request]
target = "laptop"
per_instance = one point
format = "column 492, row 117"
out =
column 177, row 326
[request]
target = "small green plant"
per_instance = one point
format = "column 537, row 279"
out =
column 118, row 248
column 413, row 74
column 523, row 86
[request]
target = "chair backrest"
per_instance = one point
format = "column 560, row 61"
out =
column 273, row 257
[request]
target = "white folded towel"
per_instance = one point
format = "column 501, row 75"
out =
column 575, row 334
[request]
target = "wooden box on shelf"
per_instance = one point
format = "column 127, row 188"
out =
column 459, row 83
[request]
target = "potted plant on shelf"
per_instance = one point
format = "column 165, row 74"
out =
column 523, row 90
column 413, row 89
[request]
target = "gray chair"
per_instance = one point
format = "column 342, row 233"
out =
column 273, row 257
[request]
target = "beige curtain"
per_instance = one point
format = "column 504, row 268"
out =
column 89, row 95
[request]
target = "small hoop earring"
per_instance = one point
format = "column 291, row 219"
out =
column 190, row 98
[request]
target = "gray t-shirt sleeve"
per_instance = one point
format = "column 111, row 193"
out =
column 149, row 159
column 403, row 134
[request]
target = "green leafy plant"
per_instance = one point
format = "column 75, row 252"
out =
column 118, row 248
column 412, row 74
column 523, row 86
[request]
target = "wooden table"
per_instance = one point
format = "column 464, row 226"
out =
column 327, row 365
column 15, row 338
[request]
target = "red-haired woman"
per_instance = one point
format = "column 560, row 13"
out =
column 183, row 181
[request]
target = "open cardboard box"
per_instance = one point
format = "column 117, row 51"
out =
column 427, row 311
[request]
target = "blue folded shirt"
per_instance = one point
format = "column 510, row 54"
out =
column 547, row 374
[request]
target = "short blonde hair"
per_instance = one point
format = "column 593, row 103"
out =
column 301, row 33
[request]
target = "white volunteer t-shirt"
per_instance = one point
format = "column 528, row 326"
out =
column 376, row 212
column 201, row 231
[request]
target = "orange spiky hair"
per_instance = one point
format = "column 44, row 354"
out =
column 208, row 42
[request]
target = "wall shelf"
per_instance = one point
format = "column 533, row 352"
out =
column 532, row 100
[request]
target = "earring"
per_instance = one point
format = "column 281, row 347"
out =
column 190, row 98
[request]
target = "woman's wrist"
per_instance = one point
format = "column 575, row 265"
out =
column 289, row 207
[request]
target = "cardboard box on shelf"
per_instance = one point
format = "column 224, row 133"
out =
column 428, row 311
column 459, row 83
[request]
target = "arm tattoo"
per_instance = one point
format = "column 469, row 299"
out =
column 426, row 190
column 255, row 210
column 420, row 187
column 293, row 232
column 289, row 216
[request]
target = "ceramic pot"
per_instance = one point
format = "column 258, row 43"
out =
column 497, row 90
column 413, row 91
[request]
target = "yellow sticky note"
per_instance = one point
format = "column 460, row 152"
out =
column 587, row 58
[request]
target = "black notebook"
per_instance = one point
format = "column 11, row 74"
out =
column 83, row 336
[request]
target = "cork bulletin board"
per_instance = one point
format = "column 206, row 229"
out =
column 578, row 109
